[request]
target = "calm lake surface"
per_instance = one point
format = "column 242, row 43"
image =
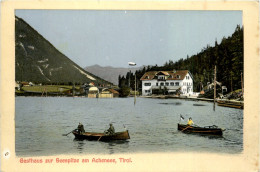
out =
column 152, row 124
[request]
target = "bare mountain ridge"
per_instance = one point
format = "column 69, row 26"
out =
column 37, row 60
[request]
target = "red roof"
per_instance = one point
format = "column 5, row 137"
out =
column 113, row 91
column 172, row 75
column 163, row 73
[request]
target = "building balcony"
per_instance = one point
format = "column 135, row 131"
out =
column 155, row 87
column 166, row 87
column 161, row 79
column 172, row 87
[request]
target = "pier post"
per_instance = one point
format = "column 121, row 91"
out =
column 215, row 73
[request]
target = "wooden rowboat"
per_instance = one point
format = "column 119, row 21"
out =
column 209, row 130
column 102, row 136
column 232, row 104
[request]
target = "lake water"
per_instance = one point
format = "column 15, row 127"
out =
column 40, row 123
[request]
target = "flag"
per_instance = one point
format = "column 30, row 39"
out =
column 182, row 118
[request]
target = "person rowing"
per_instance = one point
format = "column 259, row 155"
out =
column 81, row 129
column 190, row 122
column 111, row 130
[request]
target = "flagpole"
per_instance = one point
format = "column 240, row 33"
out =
column 215, row 71
column 133, row 64
column 135, row 89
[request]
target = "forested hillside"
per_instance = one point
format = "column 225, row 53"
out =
column 227, row 56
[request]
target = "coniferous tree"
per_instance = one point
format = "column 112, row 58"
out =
column 226, row 55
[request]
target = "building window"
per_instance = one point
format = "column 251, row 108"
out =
column 160, row 77
column 177, row 83
column 156, row 83
column 146, row 77
column 167, row 83
column 172, row 83
column 178, row 77
column 147, row 84
column 147, row 91
column 161, row 84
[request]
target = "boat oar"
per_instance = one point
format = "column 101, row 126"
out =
column 186, row 128
column 99, row 138
column 67, row 133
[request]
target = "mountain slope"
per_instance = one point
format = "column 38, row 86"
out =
column 37, row 60
column 109, row 73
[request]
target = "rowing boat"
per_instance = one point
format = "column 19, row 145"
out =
column 232, row 104
column 209, row 130
column 124, row 135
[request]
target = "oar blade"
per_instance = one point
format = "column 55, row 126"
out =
column 67, row 133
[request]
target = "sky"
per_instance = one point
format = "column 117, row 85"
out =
column 114, row 38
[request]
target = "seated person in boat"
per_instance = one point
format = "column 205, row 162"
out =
column 111, row 130
column 190, row 122
column 81, row 128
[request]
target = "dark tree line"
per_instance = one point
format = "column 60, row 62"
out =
column 227, row 56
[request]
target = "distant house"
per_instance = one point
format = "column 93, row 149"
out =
column 108, row 93
column 115, row 93
column 210, row 86
column 167, row 82
column 24, row 84
column 92, row 84
column 105, row 93
column 93, row 92
column 31, row 84
column 18, row 85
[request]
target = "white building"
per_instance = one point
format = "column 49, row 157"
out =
column 167, row 82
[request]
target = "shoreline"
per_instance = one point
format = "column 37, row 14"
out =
column 219, row 102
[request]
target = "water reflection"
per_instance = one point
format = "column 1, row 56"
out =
column 199, row 105
column 201, row 135
column 79, row 145
column 110, row 147
column 176, row 103
column 210, row 136
column 113, row 146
